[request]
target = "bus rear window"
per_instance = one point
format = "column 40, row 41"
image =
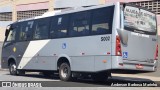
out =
column 139, row 19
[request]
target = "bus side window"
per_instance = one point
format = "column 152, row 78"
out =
column 59, row 26
column 41, row 29
column 80, row 24
column 102, row 21
column 26, row 30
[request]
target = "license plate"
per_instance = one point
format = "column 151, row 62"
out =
column 139, row 66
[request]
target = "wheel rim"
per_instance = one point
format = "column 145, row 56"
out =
column 13, row 68
column 64, row 72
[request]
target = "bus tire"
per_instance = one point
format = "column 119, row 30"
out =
column 13, row 68
column 65, row 72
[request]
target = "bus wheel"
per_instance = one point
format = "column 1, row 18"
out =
column 65, row 72
column 13, row 68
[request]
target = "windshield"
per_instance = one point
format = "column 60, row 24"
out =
column 11, row 36
column 139, row 19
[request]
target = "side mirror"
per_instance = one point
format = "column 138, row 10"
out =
column 7, row 32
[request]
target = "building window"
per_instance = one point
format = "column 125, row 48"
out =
column 30, row 14
column 151, row 5
column 7, row 16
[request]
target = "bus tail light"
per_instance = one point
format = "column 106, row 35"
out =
column 118, row 46
column 156, row 54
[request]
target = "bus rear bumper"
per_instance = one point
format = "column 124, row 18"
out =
column 119, row 63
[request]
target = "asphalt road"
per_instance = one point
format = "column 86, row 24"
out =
column 55, row 82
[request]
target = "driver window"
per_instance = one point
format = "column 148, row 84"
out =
column 12, row 35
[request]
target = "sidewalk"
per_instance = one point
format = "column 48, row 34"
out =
column 137, row 76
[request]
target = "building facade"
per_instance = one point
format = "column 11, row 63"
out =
column 12, row 10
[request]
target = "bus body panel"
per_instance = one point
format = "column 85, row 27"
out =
column 139, row 37
column 115, row 26
column 119, row 63
column 13, row 51
column 83, row 56
column 106, row 65
column 138, row 46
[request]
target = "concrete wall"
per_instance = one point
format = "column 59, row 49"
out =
column 75, row 3
column 158, row 27
column 29, row 1
column 6, row 8
column 37, row 6
column 158, row 23
column 2, row 34
column 3, row 25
